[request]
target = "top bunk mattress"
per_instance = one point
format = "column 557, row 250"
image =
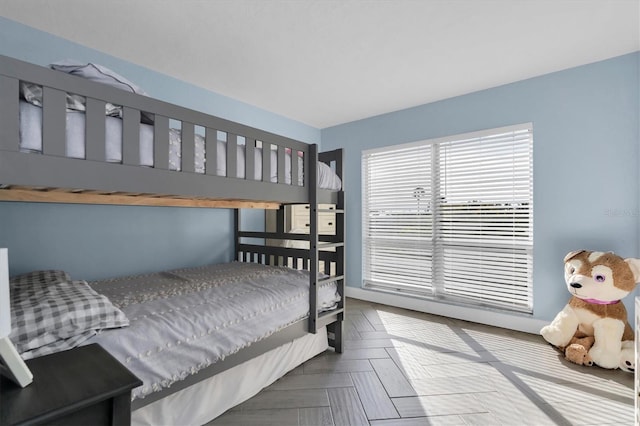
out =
column 184, row 320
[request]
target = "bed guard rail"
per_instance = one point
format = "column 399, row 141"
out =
column 94, row 172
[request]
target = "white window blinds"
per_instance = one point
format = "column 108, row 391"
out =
column 398, row 228
column 452, row 218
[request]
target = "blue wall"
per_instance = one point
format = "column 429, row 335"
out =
column 586, row 173
column 93, row 242
column 586, row 161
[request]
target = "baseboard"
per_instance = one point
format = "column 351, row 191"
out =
column 498, row 319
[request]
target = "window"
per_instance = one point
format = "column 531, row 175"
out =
column 452, row 218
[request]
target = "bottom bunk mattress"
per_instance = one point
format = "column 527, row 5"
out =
column 185, row 320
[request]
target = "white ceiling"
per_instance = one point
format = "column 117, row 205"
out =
column 325, row 62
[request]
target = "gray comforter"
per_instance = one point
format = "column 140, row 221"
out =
column 184, row 320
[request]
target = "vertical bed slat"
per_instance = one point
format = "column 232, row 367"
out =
column 130, row 136
column 54, row 122
column 95, row 130
column 281, row 165
column 294, row 168
column 232, row 155
column 9, row 114
column 340, row 167
column 305, row 168
column 250, row 158
column 161, row 142
column 266, row 162
column 188, row 147
column 211, row 151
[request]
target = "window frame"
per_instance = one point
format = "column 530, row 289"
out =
column 522, row 250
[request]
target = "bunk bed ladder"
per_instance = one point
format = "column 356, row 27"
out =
column 336, row 328
column 334, row 320
column 313, row 240
column 311, row 258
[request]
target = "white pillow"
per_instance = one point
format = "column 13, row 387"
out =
column 103, row 75
column 97, row 73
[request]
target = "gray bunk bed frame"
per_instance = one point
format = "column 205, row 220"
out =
column 50, row 176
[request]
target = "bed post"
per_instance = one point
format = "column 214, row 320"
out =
column 236, row 233
column 313, row 237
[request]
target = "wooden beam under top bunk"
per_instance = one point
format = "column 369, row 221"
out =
column 77, row 196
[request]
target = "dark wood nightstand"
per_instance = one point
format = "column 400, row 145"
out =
column 81, row 386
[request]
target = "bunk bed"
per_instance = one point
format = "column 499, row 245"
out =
column 166, row 155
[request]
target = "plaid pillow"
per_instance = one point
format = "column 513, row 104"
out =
column 58, row 316
column 39, row 278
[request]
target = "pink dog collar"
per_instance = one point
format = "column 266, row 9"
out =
column 601, row 302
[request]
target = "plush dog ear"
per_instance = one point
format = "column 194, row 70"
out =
column 573, row 254
column 634, row 264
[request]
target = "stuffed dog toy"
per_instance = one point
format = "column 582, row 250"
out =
column 593, row 328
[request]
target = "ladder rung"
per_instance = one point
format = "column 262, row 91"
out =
column 330, row 279
column 330, row 312
column 322, row 245
column 330, row 211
